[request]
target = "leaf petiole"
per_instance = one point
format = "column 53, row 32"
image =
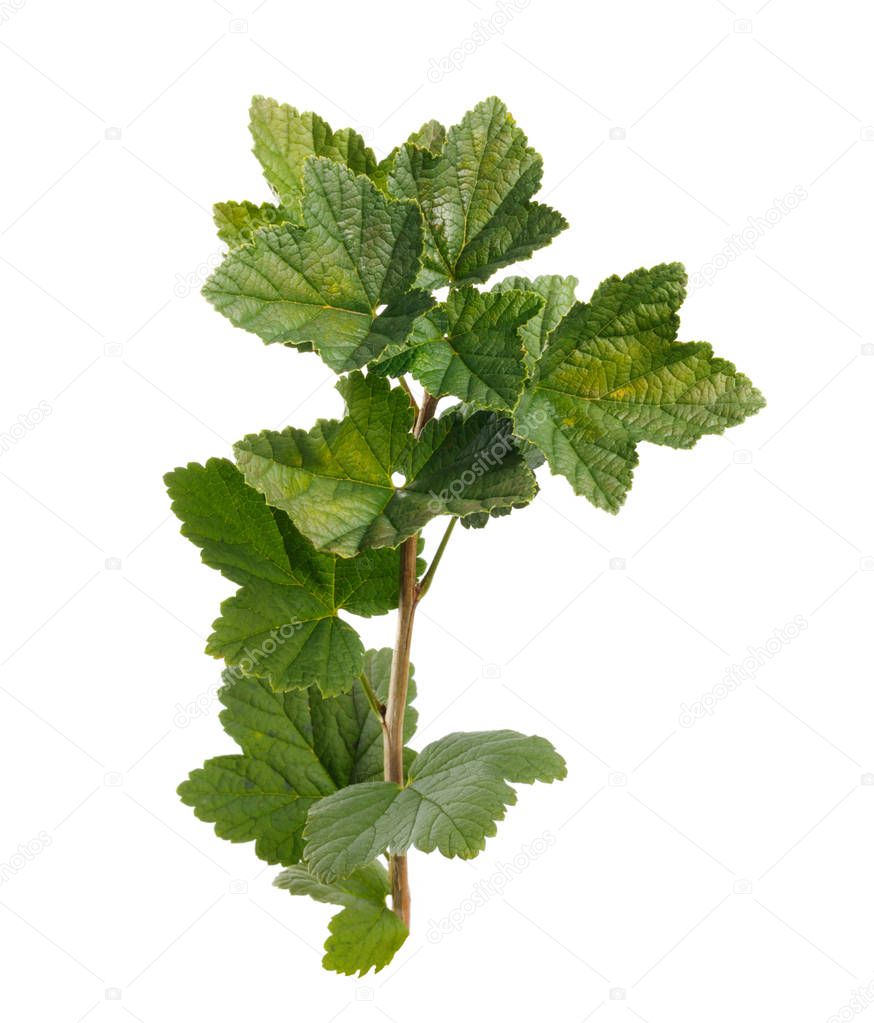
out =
column 427, row 578
column 372, row 698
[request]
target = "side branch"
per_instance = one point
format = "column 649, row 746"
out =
column 425, row 583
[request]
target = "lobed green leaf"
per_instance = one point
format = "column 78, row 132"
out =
column 366, row 933
column 612, row 375
column 455, row 793
column 470, row 346
column 336, row 481
column 558, row 297
column 296, row 748
column 285, row 139
column 237, row 222
column 340, row 281
column 475, row 195
column 283, row 623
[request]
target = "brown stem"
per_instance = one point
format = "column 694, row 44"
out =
column 393, row 744
column 406, row 386
column 393, row 729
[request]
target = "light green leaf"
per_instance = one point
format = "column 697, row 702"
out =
column 429, row 137
column 237, row 222
column 456, row 791
column 335, row 481
column 325, row 283
column 470, row 346
column 296, row 748
column 558, row 297
column 285, row 139
column 476, row 197
column 366, row 934
column 283, row 623
column 613, row 375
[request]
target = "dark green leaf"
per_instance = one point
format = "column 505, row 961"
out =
column 336, row 480
column 613, row 375
column 283, row 623
column 470, row 346
column 296, row 748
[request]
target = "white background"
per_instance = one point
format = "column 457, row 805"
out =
column 718, row 872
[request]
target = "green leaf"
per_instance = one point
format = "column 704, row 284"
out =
column 292, row 638
column 476, row 197
column 366, row 933
column 394, row 363
column 430, row 137
column 479, row 520
column 237, row 222
column 283, row 623
column 335, row 481
column 470, row 346
column 285, row 139
column 613, row 375
column 296, row 748
column 558, row 297
column 351, row 734
column 456, row 791
column 325, row 283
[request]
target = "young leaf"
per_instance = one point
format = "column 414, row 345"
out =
column 470, row 346
column 613, row 375
column 325, row 283
column 282, row 624
column 335, row 481
column 476, row 197
column 366, row 933
column 430, row 137
column 297, row 747
column 284, row 140
column 456, row 790
column 558, row 297
column 237, row 222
